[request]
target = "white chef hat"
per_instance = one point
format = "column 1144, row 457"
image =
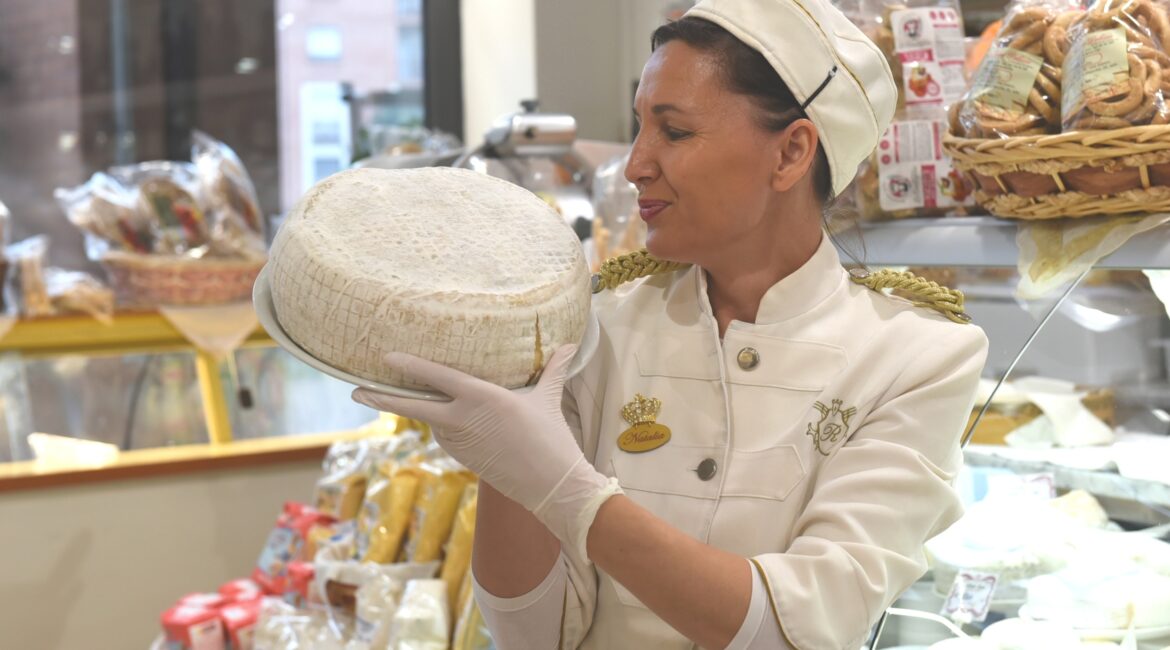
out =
column 838, row 75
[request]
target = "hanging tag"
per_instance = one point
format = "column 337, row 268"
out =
column 970, row 596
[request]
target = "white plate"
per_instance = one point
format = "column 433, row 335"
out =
column 1088, row 634
column 266, row 312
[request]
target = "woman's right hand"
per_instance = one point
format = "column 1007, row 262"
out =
column 517, row 441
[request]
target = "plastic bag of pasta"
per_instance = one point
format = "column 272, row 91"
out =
column 1115, row 72
column 1017, row 88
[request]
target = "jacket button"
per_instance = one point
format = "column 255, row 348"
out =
column 706, row 469
column 748, row 358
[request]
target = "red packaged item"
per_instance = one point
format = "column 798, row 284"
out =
column 206, row 601
column 192, row 628
column 300, row 578
column 239, row 623
column 285, row 544
column 241, row 590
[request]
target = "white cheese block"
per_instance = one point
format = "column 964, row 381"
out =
column 1103, row 596
column 457, row 267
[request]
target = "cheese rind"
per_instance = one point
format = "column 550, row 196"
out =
column 446, row 264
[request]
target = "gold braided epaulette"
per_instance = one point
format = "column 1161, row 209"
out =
column 922, row 292
column 619, row 270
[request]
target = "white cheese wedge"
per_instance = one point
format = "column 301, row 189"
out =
column 457, row 267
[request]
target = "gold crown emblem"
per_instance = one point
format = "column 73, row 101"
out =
column 643, row 410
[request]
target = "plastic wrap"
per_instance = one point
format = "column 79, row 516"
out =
column 225, row 182
column 471, row 631
column 1017, row 89
column 28, row 260
column 617, row 227
column 440, row 490
column 386, row 513
column 106, row 212
column 457, row 554
column 340, row 492
column 422, row 621
column 169, row 193
column 908, row 175
column 1115, row 72
column 78, row 292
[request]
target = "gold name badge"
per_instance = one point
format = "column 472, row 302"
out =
column 644, row 434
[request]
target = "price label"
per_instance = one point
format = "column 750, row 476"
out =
column 970, row 596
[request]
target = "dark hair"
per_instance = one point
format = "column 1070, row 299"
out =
column 747, row 72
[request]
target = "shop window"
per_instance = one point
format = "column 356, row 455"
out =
column 323, row 43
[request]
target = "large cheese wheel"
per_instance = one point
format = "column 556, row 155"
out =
column 460, row 268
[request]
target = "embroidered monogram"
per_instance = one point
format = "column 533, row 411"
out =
column 832, row 427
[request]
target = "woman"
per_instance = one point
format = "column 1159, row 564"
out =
column 814, row 423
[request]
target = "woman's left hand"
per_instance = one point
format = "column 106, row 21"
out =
column 517, row 441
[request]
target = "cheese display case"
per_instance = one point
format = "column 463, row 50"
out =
column 1065, row 481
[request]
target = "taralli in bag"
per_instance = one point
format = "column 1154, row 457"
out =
column 1017, row 88
column 1116, row 67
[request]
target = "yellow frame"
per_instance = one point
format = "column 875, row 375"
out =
column 130, row 333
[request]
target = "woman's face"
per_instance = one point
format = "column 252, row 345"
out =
column 705, row 169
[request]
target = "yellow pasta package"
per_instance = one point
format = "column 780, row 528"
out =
column 387, row 513
column 458, row 552
column 440, row 489
column 341, row 495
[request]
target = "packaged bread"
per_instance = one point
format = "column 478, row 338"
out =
column 457, row 556
column 340, row 491
column 440, row 489
column 387, row 512
column 28, row 259
column 285, row 545
column 225, row 182
column 168, row 193
column 908, row 175
column 923, row 43
column 79, row 292
column 105, row 211
column 1115, row 72
column 1017, row 88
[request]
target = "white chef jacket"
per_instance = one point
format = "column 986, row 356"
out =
column 833, row 423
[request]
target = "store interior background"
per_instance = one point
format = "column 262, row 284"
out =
column 91, row 565
column 85, row 84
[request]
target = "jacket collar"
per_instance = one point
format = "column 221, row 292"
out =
column 795, row 294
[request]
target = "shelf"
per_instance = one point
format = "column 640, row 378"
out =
column 136, row 332
column 978, row 241
column 130, row 333
column 1100, row 483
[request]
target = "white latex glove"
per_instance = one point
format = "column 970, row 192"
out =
column 517, row 441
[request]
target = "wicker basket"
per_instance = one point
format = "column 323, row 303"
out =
column 148, row 280
column 1069, row 175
